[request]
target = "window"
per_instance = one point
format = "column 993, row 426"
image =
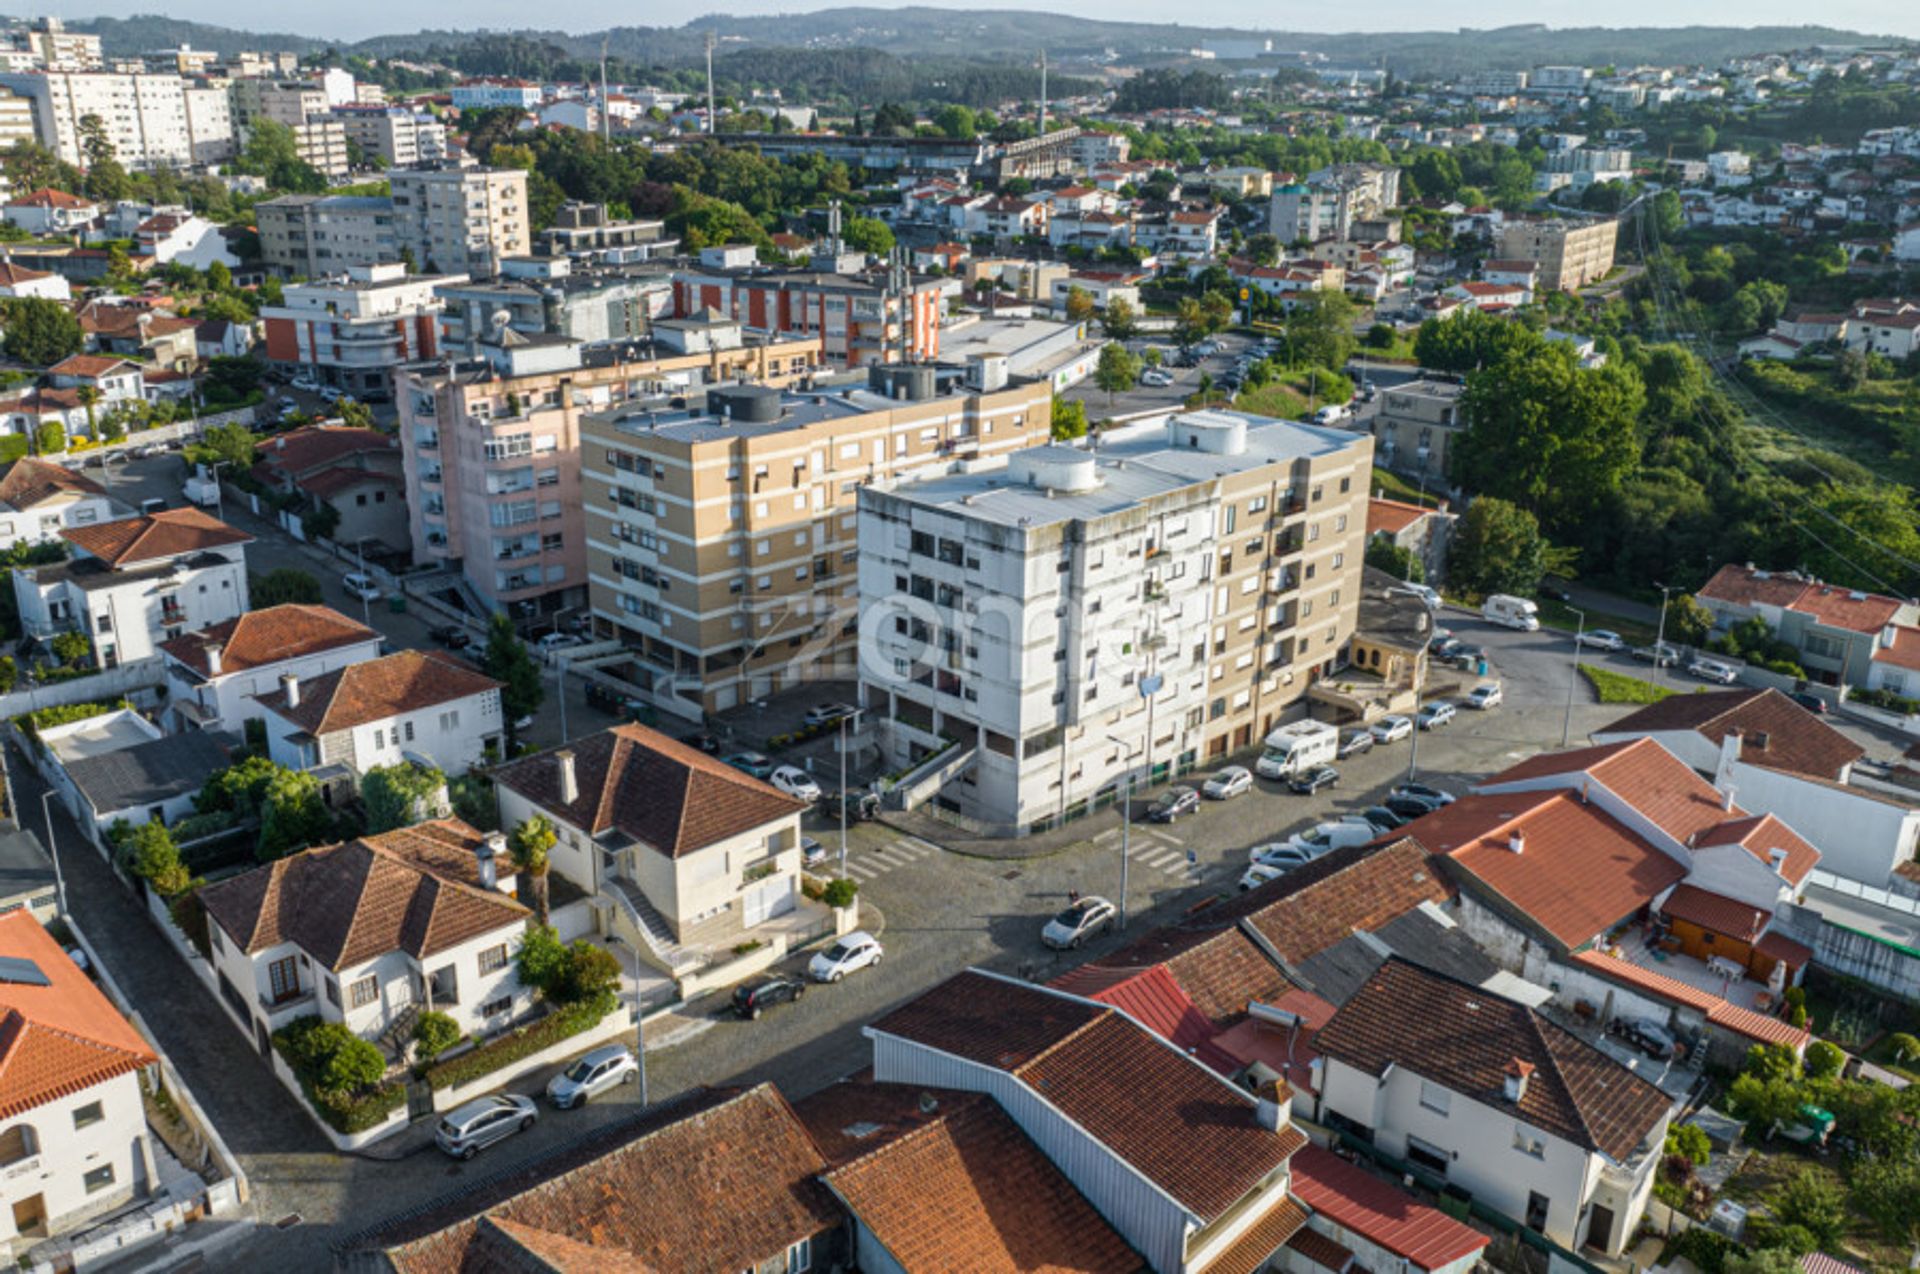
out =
column 17, row 1143
column 333, row 991
column 88, row 1115
column 408, row 727
column 283, row 976
column 98, row 1179
column 1529, row 1142
column 1428, row 1155
column 364, row 992
column 800, row 1257
column 1537, row 1206
column 450, row 720
column 497, row 1008
column 1434, row 1098
column 493, row 959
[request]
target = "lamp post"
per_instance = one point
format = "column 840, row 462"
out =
column 851, row 716
column 360, row 557
column 53, row 849
column 1419, row 676
column 639, row 1018
column 219, row 501
column 1126, row 820
column 1573, row 675
column 1660, row 635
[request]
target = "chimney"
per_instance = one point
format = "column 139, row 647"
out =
column 213, row 660
column 488, row 853
column 1730, row 744
column 1726, row 797
column 290, row 687
column 1517, row 842
column 1518, row 1072
column 569, row 780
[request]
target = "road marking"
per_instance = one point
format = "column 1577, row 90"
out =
column 895, row 853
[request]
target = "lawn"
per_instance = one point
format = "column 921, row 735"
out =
column 1617, row 687
column 1558, row 615
column 1391, row 486
column 1273, row 399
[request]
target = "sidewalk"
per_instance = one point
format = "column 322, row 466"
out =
column 959, row 840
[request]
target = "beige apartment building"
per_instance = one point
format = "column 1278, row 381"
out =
column 1416, row 428
column 1069, row 618
column 461, row 220
column 722, row 538
column 492, row 449
column 1570, row 254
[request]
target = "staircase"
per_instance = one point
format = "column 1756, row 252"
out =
column 653, row 928
column 399, row 1031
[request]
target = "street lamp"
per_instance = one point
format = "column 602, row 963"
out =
column 1661, row 636
column 219, row 500
column 1573, row 675
column 53, row 850
column 360, row 555
column 1126, row 819
column 1419, row 676
column 851, row 716
column 639, row 1018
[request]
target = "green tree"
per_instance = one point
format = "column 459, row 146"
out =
column 394, row 795
column 355, row 1065
column 1690, row 1142
column 106, row 178
column 1401, row 563
column 956, row 121
column 1850, row 371
column 1770, row 1062
column 1906, row 1047
column 1688, row 620
column 1815, row 1203
column 1468, row 340
column 1116, row 371
column 434, row 1033
column 1263, row 248
column 89, row 397
column 1381, row 336
column 1498, row 549
column 354, row 413
column 507, row 661
column 292, row 815
column 1069, row 419
column 1824, row 1059
column 273, row 152
column 233, row 445
column 840, row 892
column 284, row 586
column 71, row 648
column 868, row 234
column 1189, row 322
column 541, row 960
column 1887, row 1192
column 1079, row 305
column 531, row 844
column 40, row 331
column 1118, row 319
column 150, row 854
column 1320, row 329
column 219, row 277
column 51, row 438
column 1766, row 1260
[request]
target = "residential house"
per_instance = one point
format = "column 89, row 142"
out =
column 1516, row 272
column 215, row 674
column 1906, row 242
column 39, row 499
column 18, row 280
column 371, row 933
column 357, row 472
column 1835, row 631
column 1425, row 533
column 714, row 1179
column 222, row 338
column 1193, row 233
column 48, row 211
column 1489, row 296
column 1884, row 326
column 947, row 257
column 28, row 881
column 1417, row 425
column 695, row 853
column 1486, row 1095
column 1371, row 1223
column 118, row 767
column 73, row 1125
column 167, row 237
column 410, row 705
column 139, row 332
column 1008, row 217
column 114, row 380
column 1896, row 663
column 135, row 582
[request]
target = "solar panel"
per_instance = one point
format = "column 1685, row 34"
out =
column 22, row 972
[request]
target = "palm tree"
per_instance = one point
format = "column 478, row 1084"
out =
column 529, row 845
column 88, row 396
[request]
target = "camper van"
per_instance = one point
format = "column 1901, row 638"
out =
column 1511, row 612
column 1293, row 749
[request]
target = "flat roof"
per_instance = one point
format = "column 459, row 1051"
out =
column 798, row 409
column 114, row 732
column 1874, row 913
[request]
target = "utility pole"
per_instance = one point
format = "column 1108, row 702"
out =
column 1573, row 675
column 851, row 716
column 1660, row 636
column 712, row 121
column 606, row 105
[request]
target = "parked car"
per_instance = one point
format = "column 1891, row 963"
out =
column 1391, row 729
column 1602, row 639
column 560, row 640
column 452, row 636
column 860, row 807
column 1661, row 654
column 593, row 1073
column 1317, row 779
column 1080, row 921
column 812, row 852
column 849, row 955
column 1424, row 792
column 360, row 585
column 1712, row 670
column 795, row 782
column 1283, row 855
column 467, row 1130
column 1156, row 379
column 758, row 764
column 1811, row 702
column 1382, row 818
column 1410, row 807
column 1174, row 802
column 1554, row 593
column 751, row 999
column 1324, row 838
column 702, row 742
column 1651, row 1038
column 1431, row 596
column 1258, row 874
column 1436, row 714
column 1354, row 742
column 828, row 713
column 1483, row 697
column 1230, row 782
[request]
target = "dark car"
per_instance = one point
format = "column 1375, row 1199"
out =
column 1555, row 593
column 1176, row 801
column 1651, row 1038
column 1355, row 742
column 702, row 742
column 1811, row 702
column 611, row 701
column 860, row 806
column 1383, row 818
column 452, row 636
column 1314, row 780
column 1410, row 807
column 751, row 999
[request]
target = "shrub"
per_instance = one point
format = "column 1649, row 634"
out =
column 151, row 856
column 190, row 914
column 339, row 1072
column 1885, row 699
column 558, row 1025
column 435, row 1033
column 1767, row 1062
column 355, row 1064
column 197, row 826
column 1706, row 1250
column 66, row 714
column 839, row 893
column 1816, row 1204
column 1906, row 1048
column 1824, row 1058
column 1689, row 1142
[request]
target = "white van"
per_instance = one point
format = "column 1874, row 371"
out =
column 1294, row 749
column 1511, row 612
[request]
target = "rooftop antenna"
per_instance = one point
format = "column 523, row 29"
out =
column 711, row 120
column 606, row 104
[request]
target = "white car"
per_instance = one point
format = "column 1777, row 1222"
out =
column 1603, row 639
column 1436, row 714
column 1713, row 670
column 559, row 641
column 1487, row 696
column 1327, row 837
column 361, row 586
column 1429, row 595
column 854, row 952
column 1282, row 857
column 1258, row 875
column 1231, row 781
column 1391, row 729
column 1082, row 920
column 795, row 782
column 1156, row 379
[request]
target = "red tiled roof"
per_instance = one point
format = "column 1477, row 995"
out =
column 1760, row 836
column 30, row 480
column 1381, row 1212
column 316, row 446
column 1218, row 966
column 659, row 791
column 1744, row 586
column 61, row 1038
column 1259, row 1242
column 89, row 366
column 48, row 197
column 1379, row 885
column 362, row 693
column 1320, row 1250
column 269, row 636
column 169, row 533
column 1287, row 1050
column 1717, row 912
column 1662, row 787
column 1741, row 1021
column 1905, row 650
column 11, row 274
column 331, row 482
column 1775, row 731
column 1390, row 517
column 1784, row 949
column 1826, row 604
column 1155, row 1000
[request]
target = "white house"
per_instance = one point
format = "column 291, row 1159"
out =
column 1483, row 1093
column 214, row 675
column 115, row 379
column 49, row 211
column 371, row 933
column 40, row 499
column 118, row 768
column 73, row 1128
column 410, row 705
column 136, row 582
column 1906, row 242
column 17, row 280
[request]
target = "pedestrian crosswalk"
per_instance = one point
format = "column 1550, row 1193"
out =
column 1161, row 851
column 867, row 864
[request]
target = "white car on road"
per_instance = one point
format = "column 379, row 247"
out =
column 1231, row 781
column 1487, row 696
column 360, row 585
column 1082, row 920
column 795, row 782
column 1713, row 670
column 1391, row 729
column 1603, row 639
column 852, row 953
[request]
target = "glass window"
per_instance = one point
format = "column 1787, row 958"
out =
column 88, row 1115
column 364, row 991
column 98, row 1179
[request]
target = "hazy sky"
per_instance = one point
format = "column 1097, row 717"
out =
column 353, row 19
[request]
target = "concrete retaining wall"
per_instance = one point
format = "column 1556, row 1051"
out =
column 617, row 1023
column 125, row 681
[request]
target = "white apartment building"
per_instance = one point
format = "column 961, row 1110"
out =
column 316, row 235
column 210, row 130
column 146, row 116
column 394, row 137
column 354, row 331
column 461, row 220
column 488, row 94
column 1075, row 617
column 16, row 120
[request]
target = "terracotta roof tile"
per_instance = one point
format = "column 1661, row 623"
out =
column 328, row 483
column 262, row 637
column 90, row 366
column 968, row 1191
column 1760, row 836
column 1781, row 947
column 1390, row 517
column 1744, row 586
column 11, row 274
column 1653, row 780
column 1218, row 967
column 1905, row 650
column 349, row 903
column 653, row 788
column 1463, row 1037
column 1741, row 1021
column 58, row 1039
column 298, row 451
column 1717, row 912
column 169, row 533
column 1319, row 1249
column 1260, row 1241
column 1389, row 881
column 1381, row 1212
column 1155, row 1000
column 48, row 197
column 1775, row 731
column 1825, row 603
column 362, row 693
column 29, row 481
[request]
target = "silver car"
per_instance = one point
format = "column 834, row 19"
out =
column 591, row 1074
column 469, row 1129
column 1084, row 919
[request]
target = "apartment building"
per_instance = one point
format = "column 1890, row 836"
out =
column 16, row 120
column 321, row 144
column 1076, row 617
column 480, row 95
column 146, row 116
column 58, row 49
column 589, row 230
column 722, row 537
column 1330, row 201
column 1570, row 254
column 393, row 136
column 491, row 445
column 316, row 235
column 289, row 102
column 461, row 220
column 210, row 129
column 550, row 295
column 1415, row 429
column 860, row 318
column 352, row 331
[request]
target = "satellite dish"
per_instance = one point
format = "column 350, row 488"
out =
column 501, row 320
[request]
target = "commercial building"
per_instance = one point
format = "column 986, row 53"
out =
column 722, row 536
column 353, row 331
column 492, row 449
column 315, row 235
column 1570, row 254
column 394, row 136
column 461, row 220
column 1072, row 618
column 860, row 318
column 146, row 116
